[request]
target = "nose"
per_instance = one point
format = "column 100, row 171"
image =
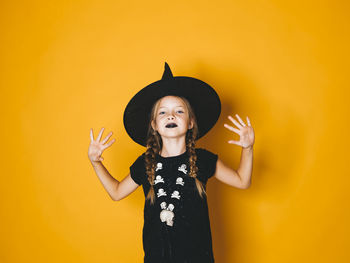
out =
column 170, row 117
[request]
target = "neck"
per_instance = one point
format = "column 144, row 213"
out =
column 172, row 150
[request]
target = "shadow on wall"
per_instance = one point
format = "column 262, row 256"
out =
column 275, row 178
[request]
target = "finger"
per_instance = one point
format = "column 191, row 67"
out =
column 101, row 159
column 107, row 137
column 235, row 122
column 240, row 120
column 91, row 135
column 232, row 129
column 100, row 135
column 109, row 144
column 248, row 121
column 234, row 142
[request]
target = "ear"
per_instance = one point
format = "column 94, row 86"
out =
column 153, row 124
column 190, row 126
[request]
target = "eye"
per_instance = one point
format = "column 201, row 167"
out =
column 160, row 112
column 180, row 111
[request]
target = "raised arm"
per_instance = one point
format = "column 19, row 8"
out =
column 116, row 190
column 242, row 177
column 125, row 188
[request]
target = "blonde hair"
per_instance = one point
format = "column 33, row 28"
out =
column 154, row 145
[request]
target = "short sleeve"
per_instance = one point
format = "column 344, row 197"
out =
column 207, row 162
column 137, row 170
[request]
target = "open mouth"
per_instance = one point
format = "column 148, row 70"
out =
column 171, row 125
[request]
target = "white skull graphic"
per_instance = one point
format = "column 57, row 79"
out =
column 158, row 179
column 171, row 207
column 161, row 192
column 179, row 180
column 182, row 168
column 159, row 166
column 175, row 194
column 163, row 205
column 167, row 216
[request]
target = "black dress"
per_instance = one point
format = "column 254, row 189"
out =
column 186, row 238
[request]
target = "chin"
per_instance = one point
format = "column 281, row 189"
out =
column 175, row 134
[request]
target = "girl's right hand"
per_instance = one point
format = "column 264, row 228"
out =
column 96, row 147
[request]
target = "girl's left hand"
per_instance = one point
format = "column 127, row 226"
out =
column 246, row 133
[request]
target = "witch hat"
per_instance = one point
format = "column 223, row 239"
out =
column 202, row 97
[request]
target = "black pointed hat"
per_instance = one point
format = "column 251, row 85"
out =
column 202, row 97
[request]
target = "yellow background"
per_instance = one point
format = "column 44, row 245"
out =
column 68, row 66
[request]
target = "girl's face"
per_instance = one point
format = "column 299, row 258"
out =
column 172, row 109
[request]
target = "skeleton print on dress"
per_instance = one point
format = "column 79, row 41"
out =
column 159, row 166
column 159, row 179
column 161, row 192
column 179, row 180
column 167, row 213
column 182, row 168
column 175, row 194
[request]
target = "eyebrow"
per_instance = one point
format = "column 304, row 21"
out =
column 175, row 107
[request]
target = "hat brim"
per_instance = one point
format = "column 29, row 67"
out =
column 204, row 101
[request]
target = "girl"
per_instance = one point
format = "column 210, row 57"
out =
column 167, row 117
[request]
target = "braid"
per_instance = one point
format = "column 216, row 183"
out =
column 190, row 145
column 150, row 162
